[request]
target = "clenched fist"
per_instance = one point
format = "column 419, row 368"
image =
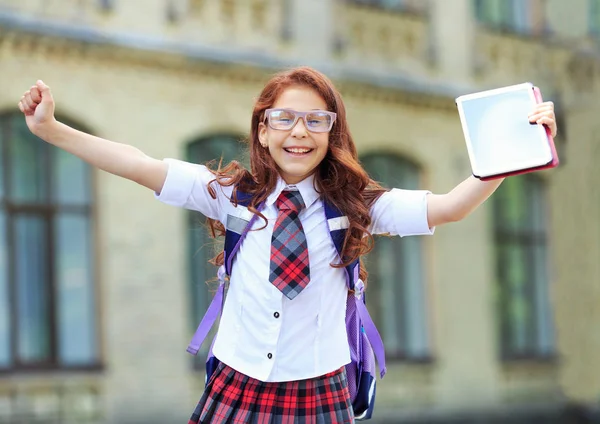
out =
column 37, row 105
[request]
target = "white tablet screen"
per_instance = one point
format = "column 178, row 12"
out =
column 499, row 133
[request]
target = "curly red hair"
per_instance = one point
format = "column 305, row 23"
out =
column 339, row 178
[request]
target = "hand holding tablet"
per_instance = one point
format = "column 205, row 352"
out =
column 500, row 138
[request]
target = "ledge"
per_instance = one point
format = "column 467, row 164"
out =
column 39, row 36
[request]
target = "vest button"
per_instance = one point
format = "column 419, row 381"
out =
column 276, row 314
column 269, row 355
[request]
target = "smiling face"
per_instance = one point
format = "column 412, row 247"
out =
column 297, row 152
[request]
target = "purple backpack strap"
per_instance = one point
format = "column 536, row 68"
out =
column 338, row 233
column 369, row 327
column 216, row 305
column 213, row 311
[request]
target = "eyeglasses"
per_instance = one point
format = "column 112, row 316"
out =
column 318, row 121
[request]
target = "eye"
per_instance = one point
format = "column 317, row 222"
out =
column 318, row 119
column 282, row 116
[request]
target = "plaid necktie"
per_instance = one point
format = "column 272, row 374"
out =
column 289, row 253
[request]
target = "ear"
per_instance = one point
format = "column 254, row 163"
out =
column 262, row 135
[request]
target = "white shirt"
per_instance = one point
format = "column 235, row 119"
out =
column 262, row 333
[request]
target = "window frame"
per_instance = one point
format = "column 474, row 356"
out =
column 528, row 240
column 509, row 22
column 201, row 297
column 401, row 315
column 48, row 210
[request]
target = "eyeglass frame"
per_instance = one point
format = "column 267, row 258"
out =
column 297, row 116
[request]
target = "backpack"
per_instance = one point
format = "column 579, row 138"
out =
column 364, row 340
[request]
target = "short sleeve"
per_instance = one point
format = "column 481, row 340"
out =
column 186, row 186
column 401, row 212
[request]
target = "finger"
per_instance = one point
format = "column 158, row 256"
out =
column 36, row 95
column 541, row 109
column 544, row 120
column 550, row 123
column 44, row 89
column 25, row 109
column 28, row 101
column 535, row 117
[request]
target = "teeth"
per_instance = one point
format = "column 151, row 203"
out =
column 297, row 150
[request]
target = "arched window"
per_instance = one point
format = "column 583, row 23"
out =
column 521, row 237
column 396, row 291
column 201, row 247
column 521, row 16
column 47, row 285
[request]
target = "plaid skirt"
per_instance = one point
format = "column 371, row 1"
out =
column 231, row 397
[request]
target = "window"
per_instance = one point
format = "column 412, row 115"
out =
column 520, row 16
column 386, row 4
column 107, row 4
column 47, row 298
column 396, row 289
column 202, row 247
column 521, row 259
column 594, row 17
column 400, row 5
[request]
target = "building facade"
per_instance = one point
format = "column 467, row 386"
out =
column 101, row 286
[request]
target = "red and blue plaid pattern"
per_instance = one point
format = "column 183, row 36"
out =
column 234, row 398
column 290, row 271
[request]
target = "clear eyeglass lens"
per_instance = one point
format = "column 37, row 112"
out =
column 284, row 120
column 318, row 121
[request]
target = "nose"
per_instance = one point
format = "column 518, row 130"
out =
column 299, row 130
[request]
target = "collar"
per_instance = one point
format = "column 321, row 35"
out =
column 306, row 187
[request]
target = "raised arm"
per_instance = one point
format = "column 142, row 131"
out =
column 37, row 104
column 468, row 195
column 460, row 202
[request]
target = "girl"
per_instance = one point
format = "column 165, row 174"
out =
column 282, row 341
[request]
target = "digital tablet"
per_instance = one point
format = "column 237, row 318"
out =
column 500, row 139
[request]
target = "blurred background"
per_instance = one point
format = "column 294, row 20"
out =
column 493, row 320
